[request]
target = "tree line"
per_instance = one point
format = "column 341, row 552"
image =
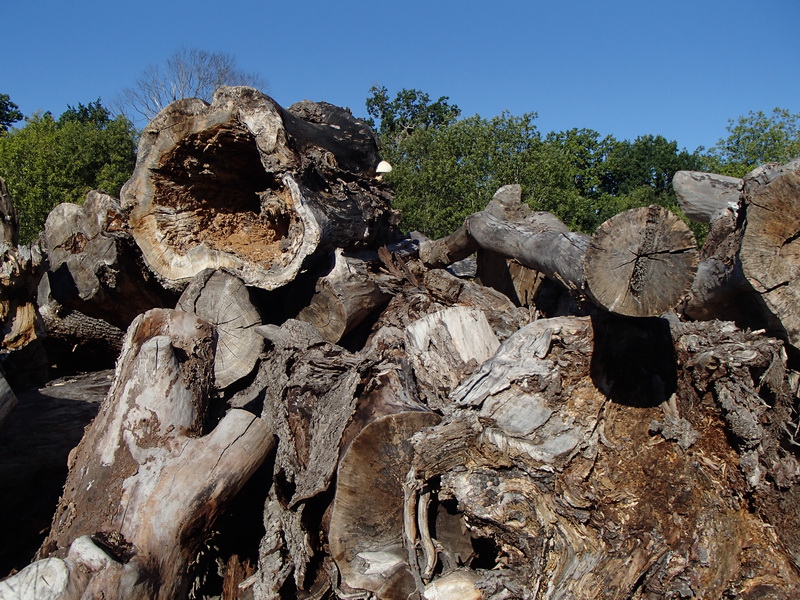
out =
column 445, row 166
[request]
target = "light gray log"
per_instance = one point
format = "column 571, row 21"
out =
column 223, row 300
column 144, row 479
column 703, row 195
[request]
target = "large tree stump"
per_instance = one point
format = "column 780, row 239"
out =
column 245, row 185
column 144, row 483
column 582, row 477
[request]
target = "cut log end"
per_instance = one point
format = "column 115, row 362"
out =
column 641, row 262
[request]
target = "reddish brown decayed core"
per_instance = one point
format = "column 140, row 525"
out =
column 212, row 189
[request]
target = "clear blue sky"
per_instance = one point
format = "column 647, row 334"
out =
column 679, row 68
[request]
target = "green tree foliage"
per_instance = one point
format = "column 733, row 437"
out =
column 446, row 168
column 9, row 113
column 409, row 111
column 754, row 139
column 49, row 161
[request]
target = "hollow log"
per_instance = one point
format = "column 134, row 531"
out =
column 638, row 263
column 223, row 300
column 95, row 267
column 245, row 185
column 144, row 483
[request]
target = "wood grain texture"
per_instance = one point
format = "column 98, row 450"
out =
column 641, row 262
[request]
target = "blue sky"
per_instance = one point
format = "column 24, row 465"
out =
column 627, row 68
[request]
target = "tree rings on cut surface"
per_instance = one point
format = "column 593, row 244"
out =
column 641, row 262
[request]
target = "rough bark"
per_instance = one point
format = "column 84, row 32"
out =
column 95, row 267
column 144, row 483
column 245, row 185
column 343, row 298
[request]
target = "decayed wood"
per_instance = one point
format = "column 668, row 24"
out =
column 95, row 267
column 704, row 195
column 366, row 533
column 639, row 263
column 343, row 298
column 223, row 300
column 633, row 501
column 143, row 482
column 246, row 185
column 446, row 346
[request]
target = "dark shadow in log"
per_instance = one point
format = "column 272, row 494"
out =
column 34, row 444
column 633, row 362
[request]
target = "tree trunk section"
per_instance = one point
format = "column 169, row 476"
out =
column 223, row 300
column 144, row 483
column 343, row 298
column 702, row 196
column 641, row 262
column 770, row 252
column 95, row 267
column 244, row 185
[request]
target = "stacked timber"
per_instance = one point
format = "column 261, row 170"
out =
column 308, row 404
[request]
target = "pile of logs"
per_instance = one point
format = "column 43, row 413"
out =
column 307, row 403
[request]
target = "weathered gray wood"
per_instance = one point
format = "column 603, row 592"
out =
column 639, row 263
column 770, row 250
column 533, row 448
column 143, row 474
column 223, row 300
column 94, row 265
column 703, row 195
column 343, row 298
column 445, row 347
column 246, row 185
